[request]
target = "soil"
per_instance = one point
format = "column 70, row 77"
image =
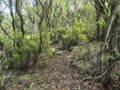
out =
column 58, row 74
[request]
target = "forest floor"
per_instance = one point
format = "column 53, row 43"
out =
column 57, row 75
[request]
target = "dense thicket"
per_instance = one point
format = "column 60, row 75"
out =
column 29, row 28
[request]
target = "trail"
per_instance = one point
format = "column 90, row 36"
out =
column 57, row 75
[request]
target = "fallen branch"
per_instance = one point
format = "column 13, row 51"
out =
column 97, row 77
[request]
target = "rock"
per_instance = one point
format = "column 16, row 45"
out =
column 59, row 52
column 85, row 84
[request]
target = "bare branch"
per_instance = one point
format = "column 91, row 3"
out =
column 11, row 13
column 110, row 25
column 18, row 10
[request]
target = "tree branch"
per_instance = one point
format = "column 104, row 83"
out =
column 11, row 13
column 18, row 10
column 111, row 22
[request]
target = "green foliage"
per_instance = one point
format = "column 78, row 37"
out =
column 72, row 36
column 44, row 37
column 25, row 48
column 4, row 78
column 22, row 56
column 25, row 77
column 118, row 73
column 87, row 14
column 101, row 22
column 46, row 40
column 7, row 42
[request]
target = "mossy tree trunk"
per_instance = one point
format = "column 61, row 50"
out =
column 104, row 11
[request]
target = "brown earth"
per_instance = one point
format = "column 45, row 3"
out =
column 57, row 75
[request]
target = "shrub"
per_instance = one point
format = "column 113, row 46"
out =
column 24, row 54
column 72, row 36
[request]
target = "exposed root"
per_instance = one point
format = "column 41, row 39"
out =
column 100, row 77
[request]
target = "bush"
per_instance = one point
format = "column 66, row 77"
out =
column 72, row 36
column 25, row 52
column 23, row 55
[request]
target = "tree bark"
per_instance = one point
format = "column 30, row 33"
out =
column 19, row 13
column 11, row 13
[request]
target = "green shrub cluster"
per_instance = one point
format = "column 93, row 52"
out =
column 72, row 36
column 24, row 54
column 22, row 51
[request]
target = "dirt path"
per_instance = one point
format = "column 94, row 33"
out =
column 57, row 75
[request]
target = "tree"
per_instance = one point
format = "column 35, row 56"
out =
column 108, row 22
column 29, row 34
column 104, row 11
